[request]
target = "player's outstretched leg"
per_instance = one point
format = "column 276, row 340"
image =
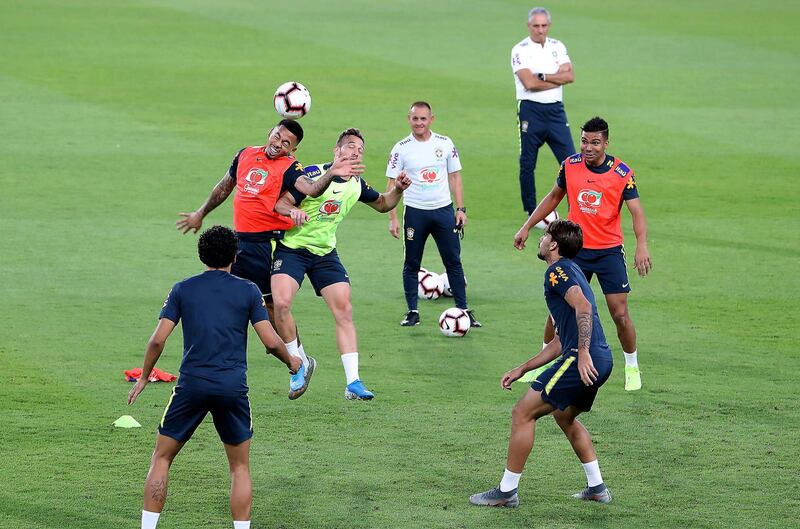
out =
column 581, row 442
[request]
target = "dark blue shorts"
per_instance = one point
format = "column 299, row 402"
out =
column 609, row 265
column 561, row 383
column 253, row 262
column 322, row 270
column 186, row 409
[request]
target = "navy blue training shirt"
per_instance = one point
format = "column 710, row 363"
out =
column 216, row 308
column 560, row 277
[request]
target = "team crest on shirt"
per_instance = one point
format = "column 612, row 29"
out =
column 254, row 181
column 328, row 210
column 439, row 153
column 276, row 265
column 589, row 201
column 409, row 234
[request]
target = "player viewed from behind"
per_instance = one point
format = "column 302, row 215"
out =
column 570, row 385
column 216, row 308
column 431, row 161
column 310, row 249
column 260, row 175
column 596, row 185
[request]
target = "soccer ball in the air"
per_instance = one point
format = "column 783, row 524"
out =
column 292, row 100
column 543, row 224
column 446, row 285
column 454, row 322
column 429, row 285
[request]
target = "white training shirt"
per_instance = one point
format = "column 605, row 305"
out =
column 539, row 59
column 428, row 164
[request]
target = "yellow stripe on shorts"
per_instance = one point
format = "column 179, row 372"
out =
column 561, row 370
column 161, row 424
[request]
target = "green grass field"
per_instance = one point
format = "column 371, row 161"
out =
column 117, row 115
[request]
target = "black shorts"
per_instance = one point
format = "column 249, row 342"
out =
column 561, row 383
column 254, row 262
column 186, row 409
column 609, row 265
column 322, row 270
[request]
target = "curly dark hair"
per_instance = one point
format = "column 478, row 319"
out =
column 596, row 124
column 217, row 246
column 568, row 235
column 349, row 132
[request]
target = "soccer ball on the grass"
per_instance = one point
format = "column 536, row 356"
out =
column 429, row 285
column 446, row 285
column 454, row 322
column 292, row 100
column 543, row 224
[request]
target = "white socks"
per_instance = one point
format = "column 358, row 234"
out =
column 630, row 359
column 241, row 525
column 149, row 519
column 593, row 477
column 302, row 352
column 510, row 481
column 350, row 363
column 294, row 350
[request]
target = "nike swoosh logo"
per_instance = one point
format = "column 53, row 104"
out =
column 625, row 285
column 335, row 192
column 591, row 181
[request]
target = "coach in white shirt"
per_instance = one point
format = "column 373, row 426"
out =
column 431, row 161
column 541, row 66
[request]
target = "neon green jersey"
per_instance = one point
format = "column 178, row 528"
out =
column 325, row 212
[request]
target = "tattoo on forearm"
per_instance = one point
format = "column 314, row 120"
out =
column 584, row 330
column 218, row 195
column 158, row 490
column 316, row 187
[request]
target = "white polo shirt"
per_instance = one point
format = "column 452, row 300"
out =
column 539, row 59
column 428, row 164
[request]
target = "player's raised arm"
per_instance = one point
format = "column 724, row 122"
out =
column 314, row 187
column 194, row 220
column 155, row 346
column 389, row 199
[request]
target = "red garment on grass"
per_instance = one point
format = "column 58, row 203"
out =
column 156, row 375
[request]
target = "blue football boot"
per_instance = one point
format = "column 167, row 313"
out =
column 356, row 390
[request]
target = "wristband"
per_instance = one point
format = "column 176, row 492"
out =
column 463, row 210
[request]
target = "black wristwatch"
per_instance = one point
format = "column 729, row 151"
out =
column 541, row 77
column 464, row 210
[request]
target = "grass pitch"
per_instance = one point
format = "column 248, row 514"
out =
column 117, row 115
